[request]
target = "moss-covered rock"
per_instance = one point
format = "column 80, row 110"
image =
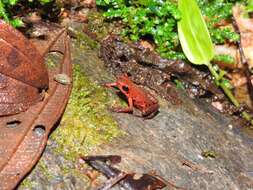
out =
column 86, row 122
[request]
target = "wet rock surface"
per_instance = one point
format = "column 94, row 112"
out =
column 171, row 144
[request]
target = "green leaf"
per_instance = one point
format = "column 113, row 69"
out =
column 12, row 2
column 249, row 6
column 17, row 22
column 193, row 33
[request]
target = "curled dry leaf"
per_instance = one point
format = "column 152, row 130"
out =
column 245, row 29
column 23, row 73
column 24, row 135
column 88, row 3
column 245, row 26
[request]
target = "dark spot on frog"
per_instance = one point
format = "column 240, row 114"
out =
column 125, row 88
column 13, row 58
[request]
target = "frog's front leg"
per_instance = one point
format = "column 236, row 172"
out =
column 128, row 109
column 110, row 85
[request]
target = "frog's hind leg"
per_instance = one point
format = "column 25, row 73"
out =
column 150, row 116
column 151, row 112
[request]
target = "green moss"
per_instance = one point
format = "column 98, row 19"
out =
column 84, row 41
column 45, row 170
column 97, row 25
column 86, row 122
column 209, row 154
column 26, row 184
column 52, row 59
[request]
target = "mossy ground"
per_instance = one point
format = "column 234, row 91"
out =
column 86, row 122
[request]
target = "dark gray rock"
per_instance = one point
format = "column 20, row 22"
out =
column 171, row 144
column 178, row 136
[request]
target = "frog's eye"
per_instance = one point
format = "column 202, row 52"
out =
column 125, row 88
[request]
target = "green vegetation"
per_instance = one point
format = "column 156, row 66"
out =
column 223, row 58
column 158, row 20
column 5, row 13
column 147, row 18
column 6, row 9
column 26, row 184
column 250, row 6
column 209, row 154
column 199, row 48
column 44, row 169
column 179, row 84
column 216, row 11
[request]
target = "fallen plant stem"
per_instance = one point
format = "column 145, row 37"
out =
column 228, row 92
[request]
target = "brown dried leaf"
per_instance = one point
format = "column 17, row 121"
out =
column 245, row 26
column 23, row 136
column 22, row 72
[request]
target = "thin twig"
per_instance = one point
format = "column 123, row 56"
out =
column 244, row 60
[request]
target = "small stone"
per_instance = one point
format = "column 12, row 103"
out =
column 62, row 79
column 218, row 105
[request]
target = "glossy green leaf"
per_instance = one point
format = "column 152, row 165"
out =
column 193, row 33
